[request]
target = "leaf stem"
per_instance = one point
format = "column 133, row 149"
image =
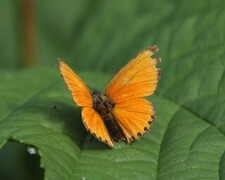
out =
column 28, row 33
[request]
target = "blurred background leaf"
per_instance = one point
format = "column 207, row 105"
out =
column 97, row 38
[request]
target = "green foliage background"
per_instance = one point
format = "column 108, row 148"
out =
column 187, row 140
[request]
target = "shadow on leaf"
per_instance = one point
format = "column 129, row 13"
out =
column 65, row 118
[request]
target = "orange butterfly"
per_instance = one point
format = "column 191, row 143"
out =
column 122, row 113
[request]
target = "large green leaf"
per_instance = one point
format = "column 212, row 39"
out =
column 42, row 114
column 37, row 110
column 187, row 139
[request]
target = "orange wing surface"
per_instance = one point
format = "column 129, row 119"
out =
column 93, row 123
column 80, row 93
column 138, row 78
column 134, row 117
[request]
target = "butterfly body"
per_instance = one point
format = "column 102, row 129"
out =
column 104, row 106
column 121, row 113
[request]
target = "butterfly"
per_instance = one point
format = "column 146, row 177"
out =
column 121, row 113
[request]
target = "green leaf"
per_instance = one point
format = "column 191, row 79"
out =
column 187, row 139
column 45, row 116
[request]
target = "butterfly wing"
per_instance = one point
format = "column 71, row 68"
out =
column 82, row 97
column 93, row 123
column 138, row 78
column 127, row 89
column 134, row 116
column 80, row 93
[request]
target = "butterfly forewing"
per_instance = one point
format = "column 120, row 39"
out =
column 138, row 78
column 80, row 93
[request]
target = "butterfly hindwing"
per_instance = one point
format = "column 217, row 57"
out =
column 80, row 93
column 134, row 116
column 95, row 125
